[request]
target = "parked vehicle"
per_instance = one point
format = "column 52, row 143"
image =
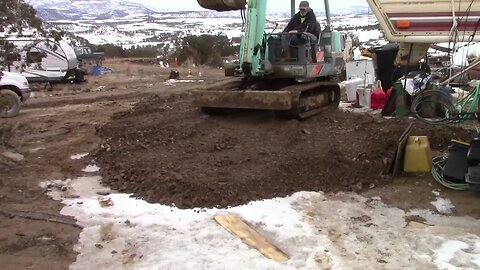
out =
column 14, row 90
column 88, row 60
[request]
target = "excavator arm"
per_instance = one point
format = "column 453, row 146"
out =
column 252, row 39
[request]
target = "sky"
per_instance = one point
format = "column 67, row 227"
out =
column 273, row 5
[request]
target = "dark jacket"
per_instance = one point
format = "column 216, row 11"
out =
column 310, row 24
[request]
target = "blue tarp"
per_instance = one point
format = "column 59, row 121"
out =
column 98, row 70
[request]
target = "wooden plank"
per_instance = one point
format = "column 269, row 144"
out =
column 417, row 225
column 249, row 236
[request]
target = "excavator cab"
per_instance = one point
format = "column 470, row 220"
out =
column 302, row 48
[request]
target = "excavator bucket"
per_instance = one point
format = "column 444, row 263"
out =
column 223, row 5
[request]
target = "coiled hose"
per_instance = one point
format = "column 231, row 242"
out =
column 437, row 173
column 435, row 97
column 468, row 104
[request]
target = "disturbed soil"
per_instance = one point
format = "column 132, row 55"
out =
column 166, row 151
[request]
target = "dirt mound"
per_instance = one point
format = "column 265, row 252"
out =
column 166, row 151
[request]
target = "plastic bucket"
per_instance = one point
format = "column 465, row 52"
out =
column 351, row 88
column 364, row 94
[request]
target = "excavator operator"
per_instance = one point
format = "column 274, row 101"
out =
column 303, row 21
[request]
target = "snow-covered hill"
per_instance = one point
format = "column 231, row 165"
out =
column 52, row 10
column 353, row 10
column 129, row 24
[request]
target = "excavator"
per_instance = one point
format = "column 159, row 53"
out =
column 299, row 86
column 304, row 85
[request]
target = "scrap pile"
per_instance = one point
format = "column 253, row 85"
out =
column 433, row 91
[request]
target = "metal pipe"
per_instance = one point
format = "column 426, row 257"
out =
column 475, row 63
column 327, row 14
column 293, row 9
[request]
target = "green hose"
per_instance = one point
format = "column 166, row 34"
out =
column 437, row 173
column 470, row 102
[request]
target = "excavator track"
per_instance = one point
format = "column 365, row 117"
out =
column 311, row 99
column 292, row 100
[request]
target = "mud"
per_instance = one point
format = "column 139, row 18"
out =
column 166, row 151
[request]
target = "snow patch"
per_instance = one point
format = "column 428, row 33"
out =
column 340, row 231
column 91, row 168
column 79, row 156
column 443, row 206
column 447, row 251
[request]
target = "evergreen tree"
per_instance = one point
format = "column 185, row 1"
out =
column 15, row 16
column 205, row 49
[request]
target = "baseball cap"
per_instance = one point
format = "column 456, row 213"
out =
column 304, row 5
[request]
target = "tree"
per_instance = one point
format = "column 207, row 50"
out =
column 15, row 16
column 205, row 49
column 355, row 39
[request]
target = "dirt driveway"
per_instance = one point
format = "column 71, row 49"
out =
column 51, row 127
column 58, row 124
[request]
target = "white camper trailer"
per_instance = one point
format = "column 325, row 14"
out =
column 44, row 60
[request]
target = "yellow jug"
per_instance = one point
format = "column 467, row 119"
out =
column 418, row 155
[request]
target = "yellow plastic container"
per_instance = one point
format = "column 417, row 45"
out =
column 418, row 155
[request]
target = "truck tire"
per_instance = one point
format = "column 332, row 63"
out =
column 9, row 103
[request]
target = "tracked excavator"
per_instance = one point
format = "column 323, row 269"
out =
column 298, row 86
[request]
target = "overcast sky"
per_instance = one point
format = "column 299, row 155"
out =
column 273, row 5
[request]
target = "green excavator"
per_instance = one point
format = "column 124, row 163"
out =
column 298, row 86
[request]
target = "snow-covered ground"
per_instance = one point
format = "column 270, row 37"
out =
column 316, row 231
column 135, row 30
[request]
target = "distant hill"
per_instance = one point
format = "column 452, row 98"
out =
column 55, row 10
column 353, row 10
column 52, row 10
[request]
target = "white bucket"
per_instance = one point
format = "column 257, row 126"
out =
column 351, row 88
column 364, row 95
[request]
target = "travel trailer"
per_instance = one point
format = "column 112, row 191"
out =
column 43, row 60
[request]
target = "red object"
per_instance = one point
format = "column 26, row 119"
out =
column 389, row 92
column 379, row 98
